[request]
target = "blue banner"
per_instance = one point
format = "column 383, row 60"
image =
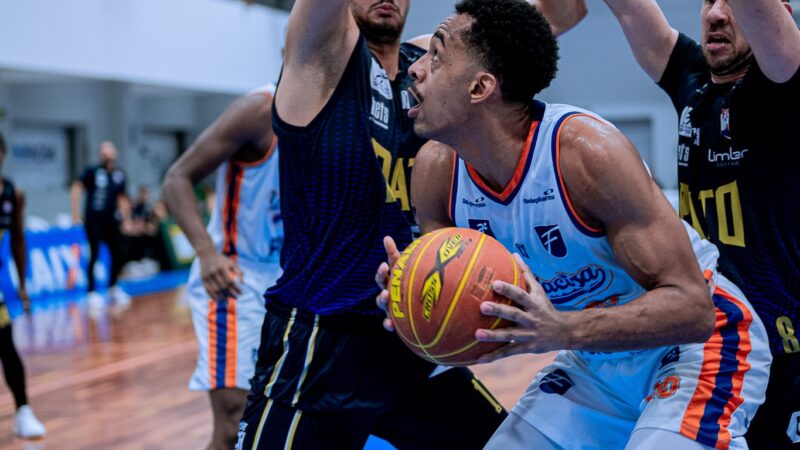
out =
column 57, row 263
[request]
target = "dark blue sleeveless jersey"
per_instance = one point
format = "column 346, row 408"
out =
column 344, row 183
column 737, row 167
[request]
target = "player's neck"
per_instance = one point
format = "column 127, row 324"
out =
column 731, row 77
column 494, row 148
column 388, row 54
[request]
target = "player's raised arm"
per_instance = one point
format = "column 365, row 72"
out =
column 649, row 34
column 610, row 188
column 320, row 37
column 246, row 121
column 562, row 15
column 772, row 34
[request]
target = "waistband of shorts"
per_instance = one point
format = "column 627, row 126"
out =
column 345, row 321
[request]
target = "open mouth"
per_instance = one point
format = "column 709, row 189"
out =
column 417, row 100
column 715, row 41
column 385, row 9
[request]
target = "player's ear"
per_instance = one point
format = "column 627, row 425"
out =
column 484, row 85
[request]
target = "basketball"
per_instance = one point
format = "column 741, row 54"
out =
column 436, row 288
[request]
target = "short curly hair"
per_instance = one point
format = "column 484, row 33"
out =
column 512, row 40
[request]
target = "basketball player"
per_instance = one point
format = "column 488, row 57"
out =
column 237, row 255
column 655, row 356
column 12, row 219
column 736, row 92
column 105, row 185
column 347, row 149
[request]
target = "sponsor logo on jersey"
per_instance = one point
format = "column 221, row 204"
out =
column 118, row 176
column 240, row 435
column 672, row 356
column 685, row 125
column 725, row 123
column 545, row 197
column 683, row 155
column 379, row 114
column 479, row 202
column 551, row 239
column 379, row 81
column 730, row 157
column 556, row 382
column 565, row 287
column 100, row 179
column 7, row 207
column 666, row 387
column 481, row 225
column 522, row 250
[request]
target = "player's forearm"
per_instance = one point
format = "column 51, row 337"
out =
column 664, row 316
column 772, row 34
column 562, row 15
column 75, row 201
column 649, row 35
column 181, row 202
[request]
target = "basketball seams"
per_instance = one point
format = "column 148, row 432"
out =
column 457, row 295
column 412, row 275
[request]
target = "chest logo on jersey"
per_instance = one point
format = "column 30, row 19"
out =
column 379, row 81
column 552, row 240
column 685, row 128
column 101, row 179
column 725, row 123
column 566, row 287
column 482, row 225
column 379, row 114
column 7, row 207
column 479, row 202
column 545, row 197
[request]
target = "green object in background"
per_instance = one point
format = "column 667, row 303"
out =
column 179, row 249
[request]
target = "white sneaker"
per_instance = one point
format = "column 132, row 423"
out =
column 95, row 300
column 27, row 425
column 120, row 297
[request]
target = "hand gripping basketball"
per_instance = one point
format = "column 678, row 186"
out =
column 382, row 278
column 539, row 326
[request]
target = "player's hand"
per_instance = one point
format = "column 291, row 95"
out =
column 539, row 325
column 382, row 278
column 22, row 293
column 220, row 275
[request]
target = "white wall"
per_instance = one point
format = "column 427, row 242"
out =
column 208, row 45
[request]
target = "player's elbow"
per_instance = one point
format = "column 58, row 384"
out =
column 702, row 314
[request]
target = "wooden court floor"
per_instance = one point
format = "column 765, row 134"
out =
column 118, row 380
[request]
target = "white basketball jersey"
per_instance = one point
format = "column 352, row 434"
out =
column 246, row 220
column 573, row 261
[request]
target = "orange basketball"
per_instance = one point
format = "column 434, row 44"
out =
column 436, row 288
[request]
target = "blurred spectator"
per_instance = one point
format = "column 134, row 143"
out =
column 104, row 184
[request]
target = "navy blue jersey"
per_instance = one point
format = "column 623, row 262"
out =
column 737, row 167
column 102, row 189
column 344, row 183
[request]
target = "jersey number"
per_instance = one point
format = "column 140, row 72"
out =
column 730, row 225
column 394, row 172
column 786, row 331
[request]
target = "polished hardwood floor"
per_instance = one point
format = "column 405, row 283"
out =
column 118, row 380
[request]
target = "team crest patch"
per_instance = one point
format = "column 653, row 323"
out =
column 725, row 123
column 7, row 207
column 551, row 239
column 481, row 225
column 556, row 382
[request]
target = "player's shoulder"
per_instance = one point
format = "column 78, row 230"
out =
column 434, row 156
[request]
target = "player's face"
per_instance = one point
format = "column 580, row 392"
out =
column 724, row 46
column 108, row 154
column 442, row 82
column 380, row 20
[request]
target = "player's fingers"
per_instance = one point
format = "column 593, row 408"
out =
column 514, row 293
column 383, row 300
column 388, row 325
column 233, row 280
column 507, row 312
column 382, row 274
column 391, row 250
